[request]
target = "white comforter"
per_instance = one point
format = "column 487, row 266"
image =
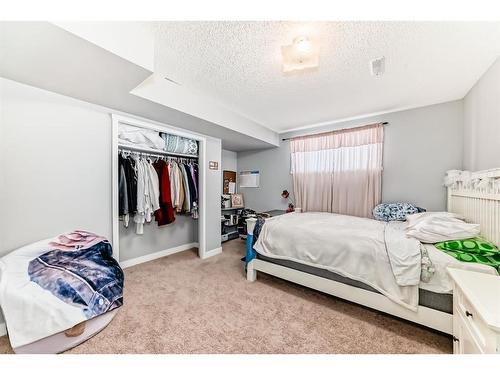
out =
column 31, row 312
column 376, row 253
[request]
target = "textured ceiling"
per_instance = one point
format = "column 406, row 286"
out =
column 72, row 66
column 239, row 65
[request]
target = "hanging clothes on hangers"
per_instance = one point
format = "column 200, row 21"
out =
column 140, row 216
column 178, row 183
column 156, row 185
column 187, row 200
column 194, row 174
column 127, row 189
column 193, row 167
column 153, row 197
column 123, row 208
column 148, row 192
column 165, row 215
column 131, row 178
column 192, row 192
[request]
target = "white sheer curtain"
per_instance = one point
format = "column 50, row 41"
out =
column 339, row 171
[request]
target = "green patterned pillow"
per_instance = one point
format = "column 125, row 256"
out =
column 476, row 250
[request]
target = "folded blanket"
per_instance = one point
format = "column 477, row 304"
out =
column 78, row 239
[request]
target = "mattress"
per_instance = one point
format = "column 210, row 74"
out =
column 436, row 301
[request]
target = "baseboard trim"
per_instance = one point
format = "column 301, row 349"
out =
column 212, row 252
column 3, row 329
column 157, row 255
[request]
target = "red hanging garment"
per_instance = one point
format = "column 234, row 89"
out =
column 165, row 215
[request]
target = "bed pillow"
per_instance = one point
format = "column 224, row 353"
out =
column 421, row 217
column 180, row 145
column 432, row 227
column 395, row 211
column 476, row 250
column 470, row 245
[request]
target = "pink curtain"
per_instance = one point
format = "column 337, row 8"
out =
column 339, row 171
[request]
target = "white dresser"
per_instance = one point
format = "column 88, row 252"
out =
column 476, row 312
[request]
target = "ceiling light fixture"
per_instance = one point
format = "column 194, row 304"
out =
column 302, row 46
column 302, row 54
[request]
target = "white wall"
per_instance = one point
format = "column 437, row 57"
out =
column 482, row 122
column 131, row 40
column 55, row 163
column 157, row 89
column 229, row 160
column 420, row 146
column 214, row 190
column 56, row 166
column 55, row 160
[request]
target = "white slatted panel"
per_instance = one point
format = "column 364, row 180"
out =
column 479, row 204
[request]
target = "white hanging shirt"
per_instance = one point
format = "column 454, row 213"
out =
column 139, row 217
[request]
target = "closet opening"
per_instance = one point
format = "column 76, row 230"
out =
column 158, row 189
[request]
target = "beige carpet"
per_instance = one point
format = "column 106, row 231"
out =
column 182, row 304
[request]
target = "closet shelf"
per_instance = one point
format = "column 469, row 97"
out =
column 154, row 151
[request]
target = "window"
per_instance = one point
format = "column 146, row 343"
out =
column 339, row 171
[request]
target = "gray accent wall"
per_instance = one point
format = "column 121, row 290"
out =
column 482, row 122
column 156, row 238
column 420, row 146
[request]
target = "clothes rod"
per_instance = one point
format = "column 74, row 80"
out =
column 287, row 139
column 155, row 152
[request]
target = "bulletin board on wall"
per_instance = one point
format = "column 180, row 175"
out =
column 229, row 182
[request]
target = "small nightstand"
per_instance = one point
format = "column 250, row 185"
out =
column 476, row 312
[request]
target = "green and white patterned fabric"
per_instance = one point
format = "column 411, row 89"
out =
column 475, row 250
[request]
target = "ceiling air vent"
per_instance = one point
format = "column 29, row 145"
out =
column 377, row 66
column 171, row 80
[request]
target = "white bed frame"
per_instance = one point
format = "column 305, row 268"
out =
column 475, row 196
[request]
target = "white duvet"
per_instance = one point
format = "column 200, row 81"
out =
column 31, row 312
column 376, row 253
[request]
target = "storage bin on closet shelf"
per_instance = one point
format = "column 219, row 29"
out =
column 156, row 183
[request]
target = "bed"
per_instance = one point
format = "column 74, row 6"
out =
column 476, row 197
